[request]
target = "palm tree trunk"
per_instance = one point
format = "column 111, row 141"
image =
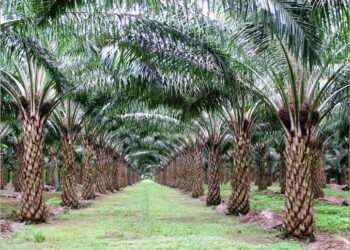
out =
column 3, row 175
column 69, row 197
column 33, row 208
column 124, row 176
column 239, row 202
column 16, row 178
column 205, row 174
column 262, row 173
column 115, row 175
column 109, row 173
column 164, row 177
column 317, row 175
column 189, row 173
column 81, row 174
column 120, row 176
column 269, row 176
column 177, row 179
column 52, row 174
column 88, row 192
column 169, row 176
column 283, row 174
column 255, row 175
column 317, row 182
column 77, row 171
column 198, row 189
column 109, row 178
column 128, row 176
column 18, row 169
column 181, row 173
column 259, row 175
column 323, row 170
column 213, row 197
column 344, row 176
column 172, row 177
column 299, row 220
column 100, row 176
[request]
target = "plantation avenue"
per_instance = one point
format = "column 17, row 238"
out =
column 145, row 216
column 175, row 124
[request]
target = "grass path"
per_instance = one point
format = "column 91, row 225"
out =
column 145, row 216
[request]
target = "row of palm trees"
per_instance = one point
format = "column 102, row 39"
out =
column 233, row 125
column 38, row 102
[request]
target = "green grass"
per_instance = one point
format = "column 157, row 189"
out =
column 336, row 193
column 329, row 218
column 146, row 216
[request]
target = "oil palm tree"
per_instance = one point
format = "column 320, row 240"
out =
column 102, row 141
column 87, row 139
column 266, row 140
column 68, row 118
column 214, row 134
column 317, row 164
column 195, row 158
column 109, row 169
column 305, row 97
column 53, row 146
column 53, row 167
column 262, row 167
column 35, row 97
column 241, row 120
